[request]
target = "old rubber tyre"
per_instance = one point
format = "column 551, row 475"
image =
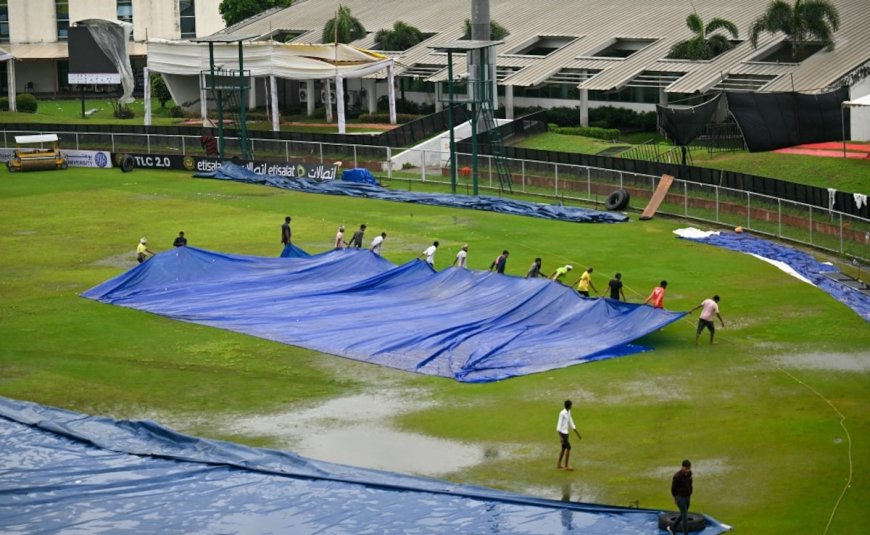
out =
column 617, row 200
column 696, row 522
column 127, row 163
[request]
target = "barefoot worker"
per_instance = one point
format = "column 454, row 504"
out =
column 562, row 427
column 710, row 308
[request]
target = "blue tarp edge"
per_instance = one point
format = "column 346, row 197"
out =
column 147, row 438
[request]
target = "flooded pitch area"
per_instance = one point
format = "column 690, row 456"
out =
column 356, row 430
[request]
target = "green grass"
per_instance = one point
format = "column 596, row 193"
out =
column 769, row 454
column 66, row 111
column 842, row 174
column 69, row 111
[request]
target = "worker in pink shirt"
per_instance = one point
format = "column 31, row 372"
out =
column 709, row 308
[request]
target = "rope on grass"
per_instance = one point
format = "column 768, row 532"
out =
column 842, row 422
column 848, row 442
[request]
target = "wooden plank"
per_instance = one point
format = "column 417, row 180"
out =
column 657, row 198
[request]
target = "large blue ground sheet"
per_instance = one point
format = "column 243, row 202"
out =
column 64, row 472
column 472, row 326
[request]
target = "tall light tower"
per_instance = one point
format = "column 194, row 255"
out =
column 480, row 31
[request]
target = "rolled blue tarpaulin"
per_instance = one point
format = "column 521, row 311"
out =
column 236, row 173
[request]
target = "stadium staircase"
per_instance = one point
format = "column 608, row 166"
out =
column 496, row 143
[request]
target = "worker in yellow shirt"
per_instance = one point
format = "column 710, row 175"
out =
column 142, row 249
column 585, row 282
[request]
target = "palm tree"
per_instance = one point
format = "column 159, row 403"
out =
column 706, row 44
column 497, row 32
column 343, row 28
column 402, row 37
column 807, row 20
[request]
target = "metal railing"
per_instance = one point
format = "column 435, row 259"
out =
column 828, row 230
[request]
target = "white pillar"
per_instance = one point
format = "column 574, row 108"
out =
column 509, row 101
column 372, row 95
column 493, row 76
column 339, row 103
column 438, row 104
column 276, row 119
column 663, row 97
column 203, row 101
column 391, row 85
column 10, row 78
column 147, row 95
column 312, row 98
column 584, row 107
column 327, row 99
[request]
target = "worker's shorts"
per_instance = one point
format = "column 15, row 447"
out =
column 706, row 324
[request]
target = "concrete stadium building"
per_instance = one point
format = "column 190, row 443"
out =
column 586, row 53
column 33, row 35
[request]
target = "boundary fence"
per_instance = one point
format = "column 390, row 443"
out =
column 819, row 227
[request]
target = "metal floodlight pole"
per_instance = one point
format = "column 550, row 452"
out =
column 242, row 106
column 220, row 106
column 474, row 146
column 450, row 121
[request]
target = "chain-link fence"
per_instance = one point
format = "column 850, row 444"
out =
column 829, row 230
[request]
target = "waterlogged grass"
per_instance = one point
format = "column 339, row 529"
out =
column 769, row 453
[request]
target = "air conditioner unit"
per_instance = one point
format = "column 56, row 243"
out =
column 323, row 95
column 303, row 95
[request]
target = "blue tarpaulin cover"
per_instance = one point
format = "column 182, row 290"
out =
column 803, row 263
column 472, row 326
column 363, row 176
column 231, row 171
column 65, row 472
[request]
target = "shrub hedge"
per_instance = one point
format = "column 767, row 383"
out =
column 607, row 134
column 26, row 103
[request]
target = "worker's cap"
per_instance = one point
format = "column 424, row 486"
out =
column 143, row 239
column 465, row 246
column 569, row 267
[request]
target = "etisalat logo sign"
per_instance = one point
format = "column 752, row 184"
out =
column 206, row 165
column 287, row 170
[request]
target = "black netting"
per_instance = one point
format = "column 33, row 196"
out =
column 684, row 125
column 772, row 121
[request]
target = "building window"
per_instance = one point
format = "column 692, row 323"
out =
column 621, row 48
column 543, row 45
column 4, row 21
column 62, row 11
column 125, row 10
column 187, row 18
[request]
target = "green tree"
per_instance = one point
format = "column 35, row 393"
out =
column 343, row 28
column 235, row 11
column 805, row 21
column 402, row 37
column 497, row 32
column 159, row 89
column 706, row 44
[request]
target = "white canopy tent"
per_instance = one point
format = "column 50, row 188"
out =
column 859, row 102
column 862, row 101
column 270, row 59
column 10, row 77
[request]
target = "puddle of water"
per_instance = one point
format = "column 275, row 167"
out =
column 386, row 449
column 700, row 467
column 837, row 362
column 355, row 430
